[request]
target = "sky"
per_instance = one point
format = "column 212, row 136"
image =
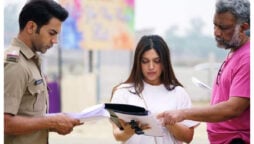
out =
column 161, row 14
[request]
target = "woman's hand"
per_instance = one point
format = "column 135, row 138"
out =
column 128, row 130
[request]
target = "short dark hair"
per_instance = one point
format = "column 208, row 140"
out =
column 41, row 11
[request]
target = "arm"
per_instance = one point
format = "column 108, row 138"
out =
column 118, row 96
column 17, row 125
column 181, row 132
column 234, row 107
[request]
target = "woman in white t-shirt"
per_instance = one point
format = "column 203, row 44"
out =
column 152, row 84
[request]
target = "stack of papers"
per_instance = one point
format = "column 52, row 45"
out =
column 125, row 112
column 92, row 113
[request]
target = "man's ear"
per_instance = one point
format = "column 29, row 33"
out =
column 245, row 26
column 31, row 27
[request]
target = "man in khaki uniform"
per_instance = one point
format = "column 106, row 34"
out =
column 25, row 88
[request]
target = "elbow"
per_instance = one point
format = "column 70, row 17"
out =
column 226, row 114
column 11, row 131
column 237, row 112
column 9, row 128
column 120, row 139
column 234, row 107
column 117, row 138
column 181, row 132
column 7, row 131
column 188, row 135
column 188, row 138
column 233, row 113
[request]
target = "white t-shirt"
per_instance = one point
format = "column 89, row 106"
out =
column 158, row 99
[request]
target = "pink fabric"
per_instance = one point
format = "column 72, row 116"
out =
column 233, row 81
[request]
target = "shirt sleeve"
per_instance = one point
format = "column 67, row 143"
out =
column 14, row 86
column 241, row 79
column 184, row 100
column 119, row 96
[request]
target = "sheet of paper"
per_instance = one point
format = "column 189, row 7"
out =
column 200, row 84
column 92, row 113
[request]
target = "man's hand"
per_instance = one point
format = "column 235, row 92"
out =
column 62, row 124
column 171, row 117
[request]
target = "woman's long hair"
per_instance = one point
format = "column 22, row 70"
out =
column 136, row 77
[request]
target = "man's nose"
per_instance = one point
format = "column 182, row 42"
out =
column 54, row 40
column 217, row 31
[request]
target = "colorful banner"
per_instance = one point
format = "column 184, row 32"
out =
column 98, row 24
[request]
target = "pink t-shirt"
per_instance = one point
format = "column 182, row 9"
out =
column 233, row 80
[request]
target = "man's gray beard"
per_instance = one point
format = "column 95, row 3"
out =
column 235, row 41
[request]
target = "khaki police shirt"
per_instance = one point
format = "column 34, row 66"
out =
column 25, row 90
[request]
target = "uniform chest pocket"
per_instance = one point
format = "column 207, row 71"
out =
column 38, row 93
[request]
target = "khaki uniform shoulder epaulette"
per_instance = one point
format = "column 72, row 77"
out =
column 12, row 54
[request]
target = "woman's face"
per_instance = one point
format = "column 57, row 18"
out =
column 151, row 67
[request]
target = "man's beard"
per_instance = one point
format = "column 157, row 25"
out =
column 235, row 41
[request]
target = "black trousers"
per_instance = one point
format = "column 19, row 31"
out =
column 237, row 141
